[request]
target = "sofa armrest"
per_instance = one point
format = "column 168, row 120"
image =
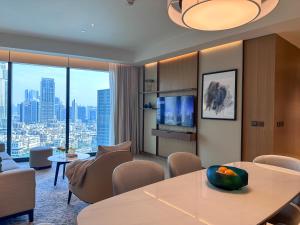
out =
column 17, row 191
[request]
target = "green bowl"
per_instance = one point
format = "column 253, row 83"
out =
column 227, row 182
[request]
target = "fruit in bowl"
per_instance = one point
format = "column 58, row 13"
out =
column 224, row 170
column 227, row 177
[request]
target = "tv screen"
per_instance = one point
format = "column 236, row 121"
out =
column 176, row 110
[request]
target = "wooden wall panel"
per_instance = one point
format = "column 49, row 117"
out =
column 272, row 95
column 177, row 73
column 287, row 96
column 258, row 96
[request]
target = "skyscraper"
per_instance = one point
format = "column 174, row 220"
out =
column 91, row 113
column 82, row 113
column 3, row 95
column 74, row 111
column 30, row 107
column 60, row 111
column 31, row 94
column 30, row 111
column 103, row 116
column 47, row 100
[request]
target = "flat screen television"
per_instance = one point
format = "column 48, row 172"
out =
column 176, row 110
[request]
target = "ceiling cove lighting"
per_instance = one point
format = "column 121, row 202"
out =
column 214, row 15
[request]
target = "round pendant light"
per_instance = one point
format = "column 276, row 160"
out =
column 214, row 15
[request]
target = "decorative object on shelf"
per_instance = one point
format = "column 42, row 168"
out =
column 227, row 177
column 148, row 106
column 219, row 94
column 0, row 164
column 150, row 85
column 214, row 15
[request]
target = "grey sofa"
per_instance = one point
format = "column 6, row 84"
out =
column 17, row 189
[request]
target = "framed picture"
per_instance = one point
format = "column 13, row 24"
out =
column 219, row 90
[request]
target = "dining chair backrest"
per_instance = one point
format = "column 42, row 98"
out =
column 135, row 174
column 180, row 163
column 280, row 161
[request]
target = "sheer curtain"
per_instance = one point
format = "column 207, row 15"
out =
column 124, row 86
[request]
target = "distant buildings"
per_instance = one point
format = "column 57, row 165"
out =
column 91, row 113
column 47, row 100
column 3, row 96
column 103, row 116
column 73, row 111
column 40, row 119
column 82, row 113
column 60, row 110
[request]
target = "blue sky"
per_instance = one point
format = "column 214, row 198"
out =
column 84, row 83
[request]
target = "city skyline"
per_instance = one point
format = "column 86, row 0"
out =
column 81, row 81
column 39, row 109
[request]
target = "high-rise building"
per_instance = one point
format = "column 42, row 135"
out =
column 30, row 107
column 82, row 113
column 31, row 94
column 3, row 95
column 30, row 111
column 47, row 100
column 91, row 113
column 60, row 110
column 103, row 116
column 74, row 111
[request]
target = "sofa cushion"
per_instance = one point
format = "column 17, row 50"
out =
column 9, row 164
column 4, row 156
column 122, row 146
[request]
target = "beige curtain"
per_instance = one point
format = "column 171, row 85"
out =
column 124, row 85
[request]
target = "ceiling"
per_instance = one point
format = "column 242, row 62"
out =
column 114, row 31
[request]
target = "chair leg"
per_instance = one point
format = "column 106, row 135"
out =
column 69, row 197
column 30, row 215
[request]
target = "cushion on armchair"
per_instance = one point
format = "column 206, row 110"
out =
column 122, row 146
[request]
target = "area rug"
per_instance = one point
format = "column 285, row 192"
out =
column 51, row 202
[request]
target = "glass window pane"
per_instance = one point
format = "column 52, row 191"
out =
column 89, row 109
column 39, row 109
column 3, row 101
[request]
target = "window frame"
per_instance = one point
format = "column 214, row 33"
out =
column 85, row 64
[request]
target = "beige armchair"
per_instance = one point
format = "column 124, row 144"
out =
column 97, row 183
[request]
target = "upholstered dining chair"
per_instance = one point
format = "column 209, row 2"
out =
column 180, row 163
column 97, row 183
column 135, row 174
column 280, row 161
column 290, row 215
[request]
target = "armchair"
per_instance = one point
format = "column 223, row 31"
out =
column 97, row 183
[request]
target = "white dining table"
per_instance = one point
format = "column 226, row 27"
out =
column 191, row 200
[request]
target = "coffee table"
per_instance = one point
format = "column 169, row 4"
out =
column 62, row 159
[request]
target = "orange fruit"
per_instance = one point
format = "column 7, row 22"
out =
column 222, row 169
column 230, row 172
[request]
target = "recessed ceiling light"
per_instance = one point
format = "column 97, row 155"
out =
column 83, row 31
column 92, row 25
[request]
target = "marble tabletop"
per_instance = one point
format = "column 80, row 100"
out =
column 191, row 200
column 63, row 158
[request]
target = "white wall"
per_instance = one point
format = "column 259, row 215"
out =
column 219, row 141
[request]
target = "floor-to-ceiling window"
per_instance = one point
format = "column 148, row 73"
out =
column 38, row 107
column 89, row 109
column 3, row 101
